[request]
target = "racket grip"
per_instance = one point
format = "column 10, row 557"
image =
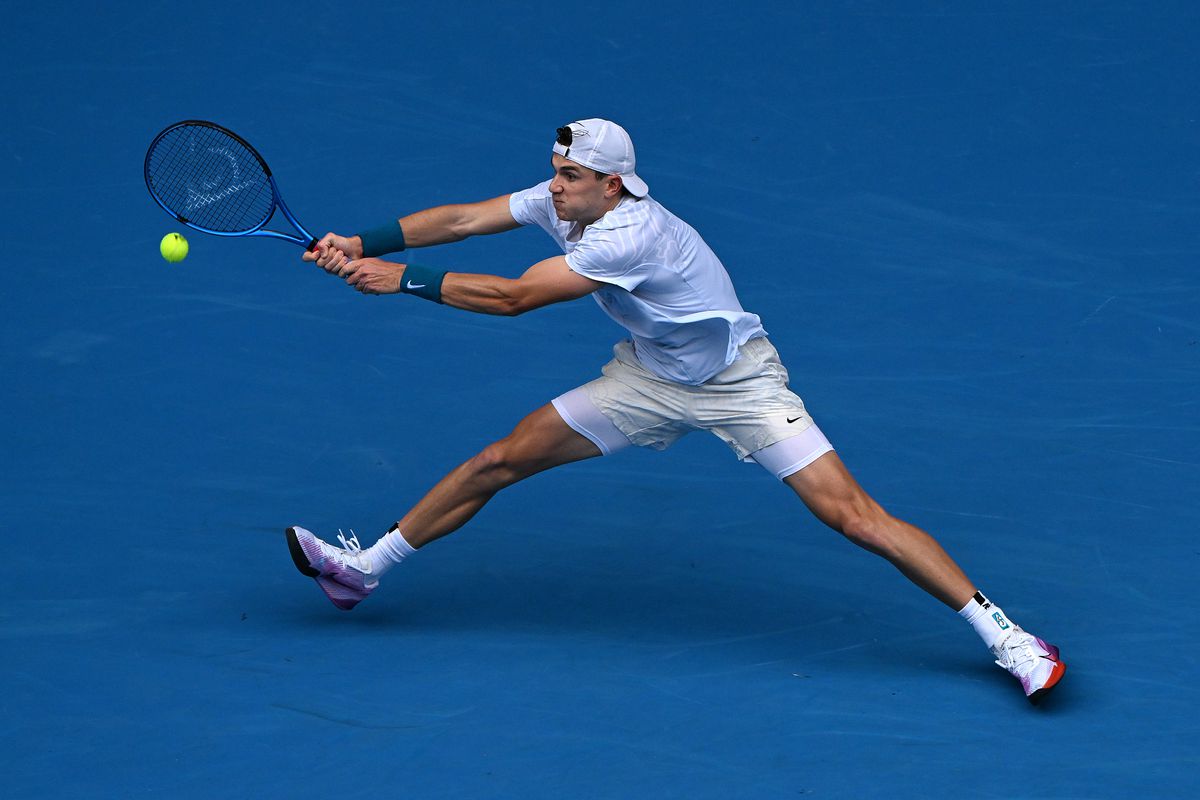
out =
column 312, row 246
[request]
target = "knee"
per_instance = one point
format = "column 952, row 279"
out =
column 493, row 462
column 500, row 464
column 870, row 530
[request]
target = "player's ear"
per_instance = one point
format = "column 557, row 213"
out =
column 613, row 186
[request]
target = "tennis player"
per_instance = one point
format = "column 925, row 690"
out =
column 695, row 360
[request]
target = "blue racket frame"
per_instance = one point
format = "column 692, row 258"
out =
column 308, row 242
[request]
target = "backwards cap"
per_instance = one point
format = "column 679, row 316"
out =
column 603, row 146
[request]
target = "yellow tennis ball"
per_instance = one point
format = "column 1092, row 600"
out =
column 173, row 247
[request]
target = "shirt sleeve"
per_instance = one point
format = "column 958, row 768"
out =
column 610, row 256
column 533, row 206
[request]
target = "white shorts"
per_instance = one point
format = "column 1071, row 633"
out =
column 748, row 405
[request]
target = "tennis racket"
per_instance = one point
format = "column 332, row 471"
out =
column 213, row 181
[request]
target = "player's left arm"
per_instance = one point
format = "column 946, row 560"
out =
column 546, row 282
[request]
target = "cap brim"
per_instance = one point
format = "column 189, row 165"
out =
column 636, row 186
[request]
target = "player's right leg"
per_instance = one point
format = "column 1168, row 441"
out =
column 542, row 440
column 539, row 442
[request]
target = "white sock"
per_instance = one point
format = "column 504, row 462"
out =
column 389, row 551
column 988, row 620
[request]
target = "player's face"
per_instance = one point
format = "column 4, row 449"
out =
column 578, row 195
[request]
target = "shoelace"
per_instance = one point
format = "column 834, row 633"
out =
column 1018, row 654
column 352, row 553
column 357, row 559
column 352, row 545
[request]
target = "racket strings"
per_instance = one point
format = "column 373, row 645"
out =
column 210, row 179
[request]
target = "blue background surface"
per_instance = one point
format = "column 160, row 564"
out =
column 971, row 232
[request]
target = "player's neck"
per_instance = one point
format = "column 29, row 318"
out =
column 616, row 201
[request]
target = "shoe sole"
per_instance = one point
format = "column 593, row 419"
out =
column 343, row 598
column 298, row 555
column 1056, row 674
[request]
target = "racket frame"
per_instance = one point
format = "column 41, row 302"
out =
column 308, row 242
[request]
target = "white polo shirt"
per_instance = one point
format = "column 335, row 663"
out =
column 662, row 283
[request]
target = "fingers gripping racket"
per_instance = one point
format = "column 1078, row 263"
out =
column 212, row 180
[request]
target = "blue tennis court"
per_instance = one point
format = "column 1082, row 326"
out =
column 971, row 232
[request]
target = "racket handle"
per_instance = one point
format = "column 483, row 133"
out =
column 312, row 246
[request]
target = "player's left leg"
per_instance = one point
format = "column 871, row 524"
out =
column 835, row 497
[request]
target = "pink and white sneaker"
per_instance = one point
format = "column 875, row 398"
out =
column 343, row 573
column 1031, row 661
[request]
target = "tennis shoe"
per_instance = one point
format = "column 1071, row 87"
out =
column 343, row 573
column 1031, row 661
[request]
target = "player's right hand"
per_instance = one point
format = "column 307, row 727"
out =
column 333, row 252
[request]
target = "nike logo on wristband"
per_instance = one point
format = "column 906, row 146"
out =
column 411, row 285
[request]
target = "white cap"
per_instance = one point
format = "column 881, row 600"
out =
column 603, row 146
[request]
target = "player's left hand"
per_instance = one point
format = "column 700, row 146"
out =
column 373, row 275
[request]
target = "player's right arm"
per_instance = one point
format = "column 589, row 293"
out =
column 453, row 223
column 438, row 225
